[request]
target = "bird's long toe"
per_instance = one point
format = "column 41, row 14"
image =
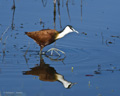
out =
column 57, row 51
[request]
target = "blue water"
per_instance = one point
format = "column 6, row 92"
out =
column 92, row 56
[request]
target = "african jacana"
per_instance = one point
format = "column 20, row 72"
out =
column 47, row 36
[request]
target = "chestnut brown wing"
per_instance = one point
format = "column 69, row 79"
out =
column 43, row 37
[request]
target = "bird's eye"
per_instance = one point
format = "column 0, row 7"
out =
column 71, row 27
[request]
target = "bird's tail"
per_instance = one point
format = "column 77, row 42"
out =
column 26, row 32
column 30, row 34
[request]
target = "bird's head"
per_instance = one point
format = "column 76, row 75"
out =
column 69, row 28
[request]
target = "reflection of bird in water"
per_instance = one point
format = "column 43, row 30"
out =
column 47, row 73
column 48, row 36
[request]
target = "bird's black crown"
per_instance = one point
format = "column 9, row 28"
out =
column 70, row 27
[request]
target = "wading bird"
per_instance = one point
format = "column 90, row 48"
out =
column 47, row 36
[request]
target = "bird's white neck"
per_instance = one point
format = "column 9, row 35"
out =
column 63, row 33
column 63, row 81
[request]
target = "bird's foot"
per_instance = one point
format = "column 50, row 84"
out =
column 57, row 51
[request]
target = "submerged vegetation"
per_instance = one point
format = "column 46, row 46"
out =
column 57, row 9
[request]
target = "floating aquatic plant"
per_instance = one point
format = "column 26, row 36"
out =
column 72, row 69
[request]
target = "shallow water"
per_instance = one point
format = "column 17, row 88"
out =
column 92, row 57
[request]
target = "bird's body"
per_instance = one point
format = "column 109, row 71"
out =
column 48, row 36
column 43, row 37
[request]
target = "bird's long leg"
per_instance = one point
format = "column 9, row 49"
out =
column 41, row 53
column 55, row 44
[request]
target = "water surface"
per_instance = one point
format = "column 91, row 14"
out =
column 92, row 57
